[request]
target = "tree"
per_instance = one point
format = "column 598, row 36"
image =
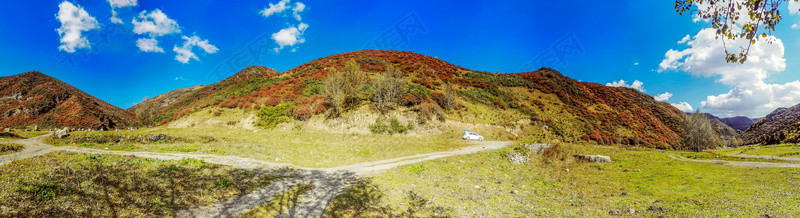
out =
column 345, row 88
column 698, row 134
column 736, row 19
column 388, row 89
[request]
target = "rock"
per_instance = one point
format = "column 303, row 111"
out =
column 155, row 138
column 7, row 130
column 566, row 170
column 631, row 210
column 62, row 133
column 517, row 158
column 537, row 148
column 594, row 158
column 35, row 128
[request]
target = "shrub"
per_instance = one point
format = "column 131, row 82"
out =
column 396, row 127
column 698, row 134
column 271, row 116
column 378, row 127
column 313, row 87
column 428, row 111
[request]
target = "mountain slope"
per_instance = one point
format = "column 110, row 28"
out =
column 150, row 105
column 723, row 130
column 34, row 98
column 738, row 123
column 782, row 125
column 570, row 109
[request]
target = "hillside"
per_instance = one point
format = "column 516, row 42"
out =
column 34, row 98
column 571, row 110
column 723, row 130
column 780, row 126
column 150, row 105
column 739, row 123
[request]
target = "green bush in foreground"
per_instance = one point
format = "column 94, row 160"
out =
column 6, row 148
column 270, row 116
column 394, row 126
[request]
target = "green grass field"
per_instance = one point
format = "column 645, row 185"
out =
column 782, row 150
column 69, row 184
column 646, row 181
column 300, row 148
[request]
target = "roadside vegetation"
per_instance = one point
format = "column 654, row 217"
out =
column 639, row 182
column 69, row 184
column 779, row 150
column 8, row 148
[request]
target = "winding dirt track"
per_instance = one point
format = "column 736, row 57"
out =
column 327, row 182
column 735, row 163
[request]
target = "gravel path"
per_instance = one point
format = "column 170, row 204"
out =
column 767, row 157
column 735, row 163
column 328, row 183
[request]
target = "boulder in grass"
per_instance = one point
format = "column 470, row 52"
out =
column 537, row 148
column 62, row 133
column 594, row 158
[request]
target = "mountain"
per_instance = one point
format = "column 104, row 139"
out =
column 570, row 109
column 780, row 126
column 739, row 123
column 150, row 105
column 34, row 98
column 723, row 130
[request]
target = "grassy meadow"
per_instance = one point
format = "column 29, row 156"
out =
column 69, row 184
column 639, row 182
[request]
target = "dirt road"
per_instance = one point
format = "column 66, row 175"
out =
column 328, row 182
column 735, row 163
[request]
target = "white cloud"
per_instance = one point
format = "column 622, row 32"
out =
column 119, row 4
column 750, row 95
column 290, row 36
column 636, row 64
column 74, row 20
column 794, row 7
column 298, row 7
column 122, row 3
column 275, row 8
column 685, row 39
column 683, row 106
column 154, row 24
column 706, row 57
column 663, row 96
column 149, row 45
column 635, row 85
column 185, row 53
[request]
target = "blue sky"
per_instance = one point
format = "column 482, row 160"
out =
column 624, row 40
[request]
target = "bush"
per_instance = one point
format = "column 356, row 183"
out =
column 394, row 126
column 378, row 127
column 270, row 116
column 313, row 87
column 698, row 134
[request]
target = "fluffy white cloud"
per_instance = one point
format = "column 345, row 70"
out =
column 750, row 95
column 275, row 8
column 685, row 39
column 683, row 106
column 706, row 57
column 119, row 4
column 185, row 53
column 74, row 21
column 635, row 85
column 154, row 24
column 663, row 96
column 282, row 6
column 122, row 3
column 149, row 45
column 298, row 7
column 794, row 7
column 289, row 36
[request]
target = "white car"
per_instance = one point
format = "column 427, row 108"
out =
column 471, row 136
